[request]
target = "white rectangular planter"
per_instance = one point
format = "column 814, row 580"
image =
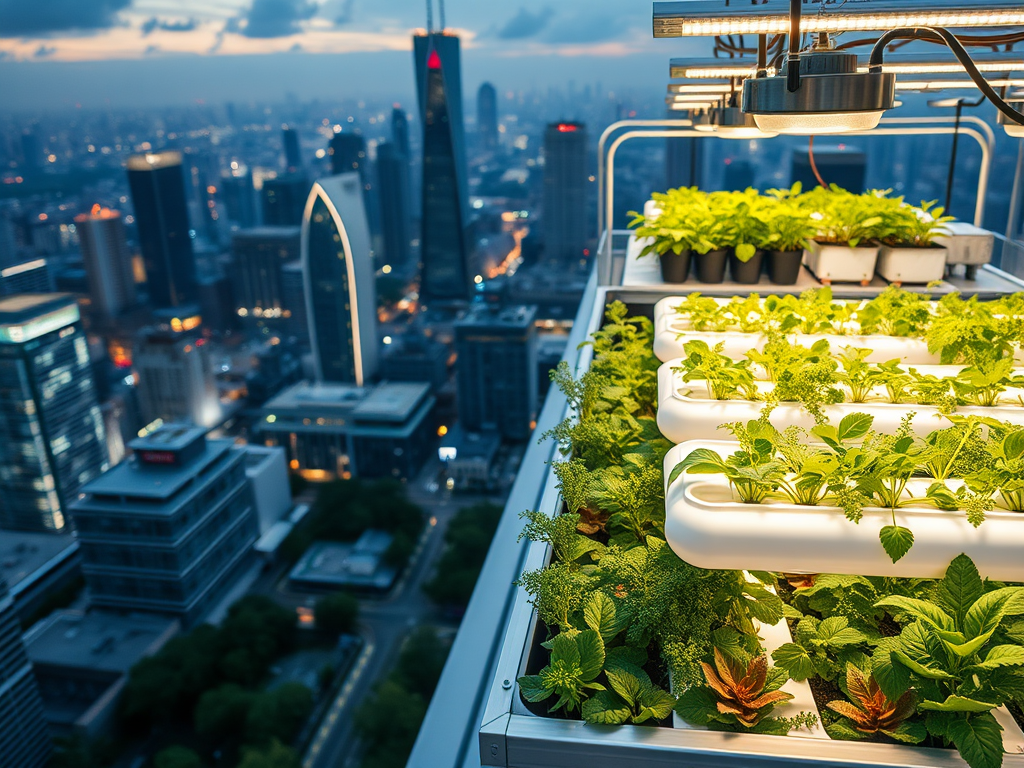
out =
column 671, row 332
column 911, row 265
column 841, row 263
column 707, row 527
column 686, row 411
column 967, row 244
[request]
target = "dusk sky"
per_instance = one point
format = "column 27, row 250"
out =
column 126, row 52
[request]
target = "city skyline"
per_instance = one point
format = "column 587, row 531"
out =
column 206, row 52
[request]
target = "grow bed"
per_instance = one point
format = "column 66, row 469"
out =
column 708, row 526
column 602, row 532
column 687, row 411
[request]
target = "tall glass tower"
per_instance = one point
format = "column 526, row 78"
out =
column 341, row 296
column 161, row 213
column 445, row 276
column 52, row 439
column 487, row 116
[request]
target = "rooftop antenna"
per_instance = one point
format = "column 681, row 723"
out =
column 430, row 16
column 440, row 5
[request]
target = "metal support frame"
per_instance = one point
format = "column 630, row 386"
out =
column 920, row 126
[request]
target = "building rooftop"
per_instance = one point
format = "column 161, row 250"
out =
column 172, row 437
column 267, row 233
column 152, row 161
column 30, row 306
column 329, row 565
column 133, row 478
column 98, row 641
column 26, row 556
column 488, row 316
column 391, row 401
column 387, row 402
column 257, row 456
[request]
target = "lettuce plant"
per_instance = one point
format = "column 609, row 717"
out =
column 725, row 377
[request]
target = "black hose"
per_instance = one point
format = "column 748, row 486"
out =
column 947, row 37
column 793, row 63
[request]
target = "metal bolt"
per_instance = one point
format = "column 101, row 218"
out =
column 506, row 684
column 494, row 750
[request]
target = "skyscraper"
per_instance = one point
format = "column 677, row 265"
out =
column 260, row 254
column 161, row 215
column 24, row 740
column 283, row 199
column 239, row 196
column 292, row 150
column 400, row 131
column 21, row 276
column 175, row 382
column 52, row 439
column 108, row 264
column 395, row 203
column 565, row 191
column 166, row 531
column 341, row 298
column 348, row 154
column 487, row 116
column 496, row 372
column 445, row 276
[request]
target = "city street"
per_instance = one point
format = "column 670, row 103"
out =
column 384, row 622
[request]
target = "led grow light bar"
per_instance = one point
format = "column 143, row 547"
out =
column 706, row 18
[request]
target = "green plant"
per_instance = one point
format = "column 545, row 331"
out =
column 725, row 377
column 895, row 312
column 786, row 227
column 872, row 712
column 704, row 313
column 1004, row 472
column 806, row 376
column 752, row 470
column 981, row 384
column 633, row 698
column 909, row 227
column 855, row 373
column 954, row 655
column 844, row 218
column 821, row 648
column 577, row 658
column 896, row 381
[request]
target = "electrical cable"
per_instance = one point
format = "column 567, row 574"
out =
column 793, row 60
column 926, row 33
column 814, row 165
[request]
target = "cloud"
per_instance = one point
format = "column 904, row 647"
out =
column 153, row 24
column 277, row 18
column 585, row 27
column 524, row 24
column 341, row 12
column 44, row 50
column 24, row 18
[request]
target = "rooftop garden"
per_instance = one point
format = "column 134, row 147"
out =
column 914, row 643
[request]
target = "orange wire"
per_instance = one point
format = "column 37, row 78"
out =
column 814, row 165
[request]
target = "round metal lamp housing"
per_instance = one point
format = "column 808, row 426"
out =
column 833, row 97
column 734, row 123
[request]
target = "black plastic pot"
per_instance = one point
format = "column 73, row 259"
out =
column 784, row 266
column 746, row 272
column 675, row 267
column 711, row 265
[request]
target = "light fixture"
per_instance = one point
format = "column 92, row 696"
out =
column 830, row 97
column 942, row 64
column 949, row 83
column 707, row 18
column 712, row 69
column 694, row 98
column 688, row 106
column 705, row 88
column 1013, row 129
column 734, row 123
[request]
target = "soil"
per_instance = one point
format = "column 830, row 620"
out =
column 1018, row 714
column 888, row 627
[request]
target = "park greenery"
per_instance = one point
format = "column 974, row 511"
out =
column 344, row 509
column 204, row 693
column 467, row 541
column 390, row 718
